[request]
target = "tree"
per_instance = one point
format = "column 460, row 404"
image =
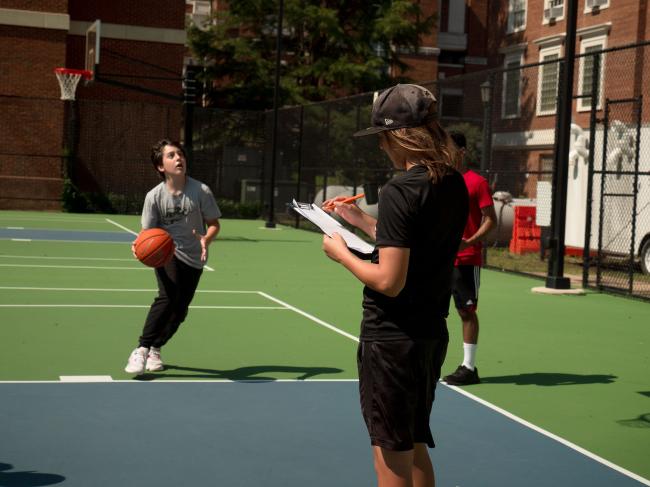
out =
column 331, row 48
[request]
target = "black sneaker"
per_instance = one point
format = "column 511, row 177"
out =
column 462, row 377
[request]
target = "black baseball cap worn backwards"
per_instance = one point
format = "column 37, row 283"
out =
column 401, row 106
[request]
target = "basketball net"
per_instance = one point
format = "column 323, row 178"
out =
column 69, row 79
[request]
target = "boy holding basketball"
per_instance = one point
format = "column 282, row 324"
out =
column 184, row 207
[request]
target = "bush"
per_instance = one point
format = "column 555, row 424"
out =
column 75, row 201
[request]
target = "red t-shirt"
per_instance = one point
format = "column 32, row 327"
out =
column 479, row 197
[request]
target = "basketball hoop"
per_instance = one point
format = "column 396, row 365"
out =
column 69, row 79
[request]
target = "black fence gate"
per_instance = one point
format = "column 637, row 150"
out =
column 622, row 201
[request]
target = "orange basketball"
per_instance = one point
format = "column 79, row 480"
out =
column 154, row 247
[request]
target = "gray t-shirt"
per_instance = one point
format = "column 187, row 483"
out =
column 181, row 214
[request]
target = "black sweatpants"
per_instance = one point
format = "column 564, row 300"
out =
column 177, row 283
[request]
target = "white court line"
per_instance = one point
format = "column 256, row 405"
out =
column 184, row 381
column 112, row 290
column 15, row 228
column 511, row 416
column 49, row 219
column 5, row 256
column 128, row 306
column 311, row 317
column 85, row 378
column 54, row 240
column 41, row 266
column 457, row 389
column 136, row 234
column 122, row 227
column 557, row 438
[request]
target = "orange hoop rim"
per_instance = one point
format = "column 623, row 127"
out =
column 79, row 72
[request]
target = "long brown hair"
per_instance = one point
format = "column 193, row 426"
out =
column 429, row 146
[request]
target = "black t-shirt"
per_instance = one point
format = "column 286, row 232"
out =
column 428, row 219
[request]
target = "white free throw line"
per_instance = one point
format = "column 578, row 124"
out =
column 311, row 317
column 136, row 234
column 85, row 378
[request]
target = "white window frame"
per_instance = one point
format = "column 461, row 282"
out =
column 584, row 104
column 515, row 56
column 547, row 4
column 542, row 54
column 511, row 29
column 588, row 10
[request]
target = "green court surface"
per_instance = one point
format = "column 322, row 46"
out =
column 274, row 307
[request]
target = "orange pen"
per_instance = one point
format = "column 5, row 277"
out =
column 348, row 200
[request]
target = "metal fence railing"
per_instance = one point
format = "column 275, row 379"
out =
column 508, row 116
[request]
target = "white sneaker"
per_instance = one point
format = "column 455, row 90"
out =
column 154, row 361
column 137, row 361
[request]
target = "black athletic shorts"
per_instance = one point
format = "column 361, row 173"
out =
column 397, row 383
column 465, row 282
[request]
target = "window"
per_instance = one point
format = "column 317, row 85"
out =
column 586, row 76
column 511, row 86
column 595, row 5
column 451, row 103
column 553, row 10
column 545, row 167
column 548, row 81
column 516, row 15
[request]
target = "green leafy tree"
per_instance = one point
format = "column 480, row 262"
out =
column 330, row 49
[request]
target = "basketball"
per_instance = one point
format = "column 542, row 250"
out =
column 154, row 247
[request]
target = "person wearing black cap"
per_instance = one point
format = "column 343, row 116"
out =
column 403, row 343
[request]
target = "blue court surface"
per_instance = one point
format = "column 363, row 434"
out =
column 272, row 434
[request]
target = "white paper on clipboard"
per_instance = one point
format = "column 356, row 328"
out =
column 330, row 226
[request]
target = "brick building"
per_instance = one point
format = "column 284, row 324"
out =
column 534, row 31
column 35, row 38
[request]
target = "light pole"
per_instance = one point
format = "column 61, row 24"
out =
column 270, row 223
column 486, row 98
column 555, row 278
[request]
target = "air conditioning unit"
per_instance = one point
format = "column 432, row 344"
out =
column 201, row 8
column 596, row 3
column 554, row 12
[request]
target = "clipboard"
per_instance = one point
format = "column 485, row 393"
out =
column 329, row 226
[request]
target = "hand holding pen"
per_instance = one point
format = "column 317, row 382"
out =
column 328, row 205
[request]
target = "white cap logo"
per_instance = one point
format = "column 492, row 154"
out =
column 388, row 121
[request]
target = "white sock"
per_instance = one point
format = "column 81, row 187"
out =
column 143, row 349
column 469, row 350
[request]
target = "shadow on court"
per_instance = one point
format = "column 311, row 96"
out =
column 550, row 379
column 26, row 479
column 641, row 421
column 253, row 373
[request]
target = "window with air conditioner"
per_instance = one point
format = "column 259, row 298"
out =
column 591, row 5
column 511, row 95
column 586, row 76
column 548, row 79
column 553, row 10
column 516, row 15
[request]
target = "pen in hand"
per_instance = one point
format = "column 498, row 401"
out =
column 346, row 200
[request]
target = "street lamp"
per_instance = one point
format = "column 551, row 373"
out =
column 270, row 223
column 486, row 98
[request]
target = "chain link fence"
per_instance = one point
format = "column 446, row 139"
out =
column 508, row 115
